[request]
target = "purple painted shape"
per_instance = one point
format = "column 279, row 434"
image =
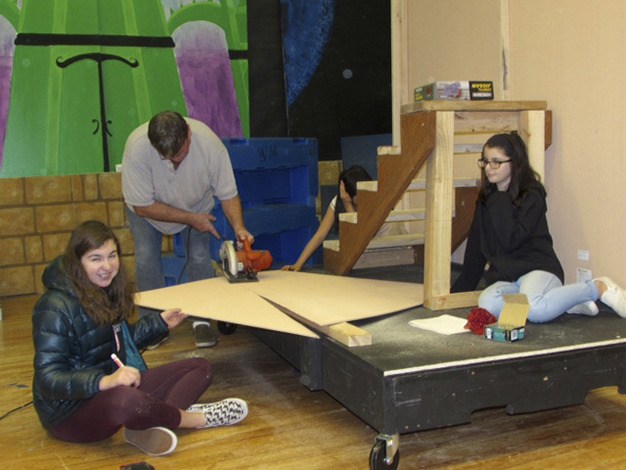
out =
column 206, row 77
column 7, row 38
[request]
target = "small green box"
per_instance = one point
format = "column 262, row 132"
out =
column 512, row 323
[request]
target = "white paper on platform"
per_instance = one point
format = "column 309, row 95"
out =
column 443, row 324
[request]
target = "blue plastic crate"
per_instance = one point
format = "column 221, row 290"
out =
column 274, row 171
column 172, row 268
column 286, row 246
column 179, row 245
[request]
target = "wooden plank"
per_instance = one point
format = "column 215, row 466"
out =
column 467, row 105
column 532, row 130
column 347, row 334
column 450, row 301
column 438, row 202
column 400, row 90
column 389, row 241
column 420, row 183
column 394, row 216
column 464, row 207
column 386, row 257
column 388, row 150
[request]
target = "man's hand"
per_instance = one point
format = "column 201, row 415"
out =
column 243, row 234
column 204, row 223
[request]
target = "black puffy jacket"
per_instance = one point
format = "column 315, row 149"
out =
column 72, row 354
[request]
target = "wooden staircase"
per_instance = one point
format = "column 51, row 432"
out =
column 358, row 229
column 429, row 133
column 395, row 173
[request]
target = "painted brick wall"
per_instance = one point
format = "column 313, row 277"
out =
column 37, row 215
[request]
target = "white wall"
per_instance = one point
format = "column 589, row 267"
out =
column 570, row 53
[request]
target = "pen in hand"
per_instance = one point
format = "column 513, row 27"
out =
column 117, row 361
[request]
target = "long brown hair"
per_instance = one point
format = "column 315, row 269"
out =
column 105, row 306
column 523, row 176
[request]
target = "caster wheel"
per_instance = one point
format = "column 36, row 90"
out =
column 378, row 456
column 226, row 328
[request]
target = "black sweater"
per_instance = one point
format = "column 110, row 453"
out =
column 513, row 240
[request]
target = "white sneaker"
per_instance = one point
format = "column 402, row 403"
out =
column 153, row 441
column 586, row 308
column 614, row 296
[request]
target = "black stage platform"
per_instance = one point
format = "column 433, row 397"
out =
column 412, row 379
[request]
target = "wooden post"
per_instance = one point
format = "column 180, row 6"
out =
column 438, row 233
column 532, row 131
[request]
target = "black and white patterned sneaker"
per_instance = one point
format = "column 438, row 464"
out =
column 222, row 413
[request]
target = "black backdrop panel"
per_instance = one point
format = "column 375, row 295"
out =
column 268, row 103
column 350, row 93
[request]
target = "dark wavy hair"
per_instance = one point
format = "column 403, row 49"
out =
column 523, row 177
column 167, row 132
column 105, row 306
column 350, row 178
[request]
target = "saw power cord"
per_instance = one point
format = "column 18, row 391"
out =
column 182, row 270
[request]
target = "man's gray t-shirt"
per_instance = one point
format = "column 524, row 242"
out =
column 205, row 172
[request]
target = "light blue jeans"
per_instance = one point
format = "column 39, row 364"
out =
column 547, row 296
column 149, row 270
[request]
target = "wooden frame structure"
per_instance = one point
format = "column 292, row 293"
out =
column 482, row 118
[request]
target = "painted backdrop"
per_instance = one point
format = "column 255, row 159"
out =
column 75, row 81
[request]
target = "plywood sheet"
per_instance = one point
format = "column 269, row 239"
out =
column 325, row 299
column 320, row 299
column 217, row 299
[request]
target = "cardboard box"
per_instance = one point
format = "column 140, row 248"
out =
column 455, row 90
column 512, row 323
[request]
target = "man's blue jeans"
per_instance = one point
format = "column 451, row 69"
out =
column 148, row 241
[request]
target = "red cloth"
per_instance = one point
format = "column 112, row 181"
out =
column 477, row 319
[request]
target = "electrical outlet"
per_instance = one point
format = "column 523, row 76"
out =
column 583, row 255
column 583, row 275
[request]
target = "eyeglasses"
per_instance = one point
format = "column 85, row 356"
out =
column 494, row 164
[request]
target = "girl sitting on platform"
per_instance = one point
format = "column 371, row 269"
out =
column 510, row 233
column 344, row 201
column 80, row 327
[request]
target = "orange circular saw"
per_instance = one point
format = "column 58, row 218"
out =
column 243, row 265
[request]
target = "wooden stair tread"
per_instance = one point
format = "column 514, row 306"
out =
column 390, row 241
column 419, row 183
column 400, row 215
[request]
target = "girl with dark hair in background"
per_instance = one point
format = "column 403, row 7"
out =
column 344, row 201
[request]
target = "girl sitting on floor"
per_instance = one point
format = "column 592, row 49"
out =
column 79, row 392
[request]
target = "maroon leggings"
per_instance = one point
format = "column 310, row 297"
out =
column 164, row 391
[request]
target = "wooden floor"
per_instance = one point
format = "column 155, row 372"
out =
column 290, row 427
